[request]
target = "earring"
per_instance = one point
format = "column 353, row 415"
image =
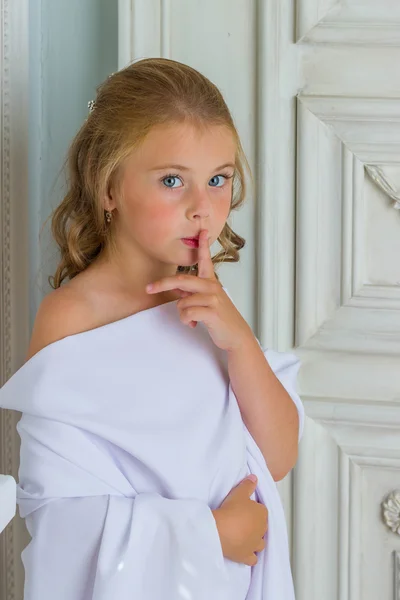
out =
column 108, row 216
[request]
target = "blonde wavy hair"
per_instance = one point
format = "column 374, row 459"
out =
column 146, row 93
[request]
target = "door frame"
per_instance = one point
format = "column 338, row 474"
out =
column 14, row 257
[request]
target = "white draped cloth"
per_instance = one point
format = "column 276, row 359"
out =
column 130, row 436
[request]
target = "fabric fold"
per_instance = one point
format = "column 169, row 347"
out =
column 120, row 469
column 156, row 546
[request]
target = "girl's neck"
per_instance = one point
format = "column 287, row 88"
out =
column 130, row 274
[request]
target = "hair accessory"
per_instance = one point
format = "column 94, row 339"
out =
column 92, row 103
column 108, row 216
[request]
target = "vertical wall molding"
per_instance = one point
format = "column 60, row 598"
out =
column 275, row 189
column 143, row 30
column 275, row 175
column 14, row 296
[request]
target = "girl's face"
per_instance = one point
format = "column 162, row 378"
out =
column 176, row 183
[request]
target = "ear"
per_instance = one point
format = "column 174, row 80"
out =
column 109, row 199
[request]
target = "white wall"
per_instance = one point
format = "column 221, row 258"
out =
column 54, row 54
column 73, row 47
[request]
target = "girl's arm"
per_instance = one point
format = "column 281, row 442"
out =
column 267, row 409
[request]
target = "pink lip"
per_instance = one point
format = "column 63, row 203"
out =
column 192, row 242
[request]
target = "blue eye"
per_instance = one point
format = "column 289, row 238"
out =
column 170, row 179
column 223, row 177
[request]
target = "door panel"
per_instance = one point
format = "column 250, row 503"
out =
column 314, row 86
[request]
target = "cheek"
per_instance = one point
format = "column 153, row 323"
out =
column 157, row 222
column 160, row 216
column 224, row 207
column 145, row 212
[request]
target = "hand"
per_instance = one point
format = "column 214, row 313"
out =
column 207, row 301
column 242, row 524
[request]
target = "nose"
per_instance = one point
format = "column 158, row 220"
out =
column 200, row 205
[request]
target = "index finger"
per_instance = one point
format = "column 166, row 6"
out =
column 205, row 264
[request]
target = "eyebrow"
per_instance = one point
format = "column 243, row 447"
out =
column 183, row 168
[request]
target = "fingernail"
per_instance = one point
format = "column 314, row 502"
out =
column 149, row 287
column 252, row 478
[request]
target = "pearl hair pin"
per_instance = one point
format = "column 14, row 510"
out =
column 92, row 103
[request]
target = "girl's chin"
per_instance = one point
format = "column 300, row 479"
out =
column 188, row 257
column 187, row 263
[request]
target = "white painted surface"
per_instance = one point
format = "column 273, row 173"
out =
column 8, row 500
column 314, row 87
column 45, row 85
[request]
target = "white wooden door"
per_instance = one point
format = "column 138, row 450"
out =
column 348, row 297
column 314, row 88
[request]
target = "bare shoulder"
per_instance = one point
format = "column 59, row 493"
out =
column 62, row 312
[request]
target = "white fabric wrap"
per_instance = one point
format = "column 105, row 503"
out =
column 130, row 436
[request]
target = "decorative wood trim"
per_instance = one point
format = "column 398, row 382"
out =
column 353, row 411
column 320, row 157
column 310, row 15
column 124, row 32
column 14, row 259
column 275, row 212
column 396, row 560
column 7, row 577
column 391, row 511
column 144, row 30
column 275, row 217
column 378, row 177
column 337, row 22
column 336, row 134
column 342, row 438
column 368, row 126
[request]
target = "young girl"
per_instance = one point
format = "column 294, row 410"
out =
column 146, row 398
